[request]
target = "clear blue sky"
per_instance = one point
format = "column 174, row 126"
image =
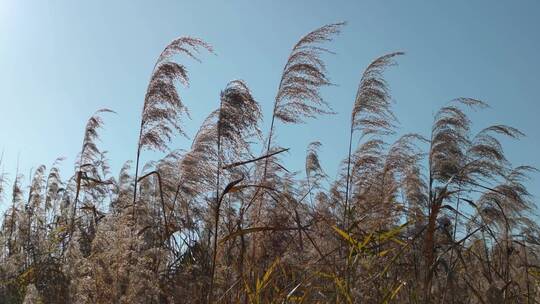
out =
column 62, row 60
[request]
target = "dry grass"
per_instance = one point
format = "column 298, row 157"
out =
column 444, row 219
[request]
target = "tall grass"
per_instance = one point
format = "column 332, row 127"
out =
column 409, row 219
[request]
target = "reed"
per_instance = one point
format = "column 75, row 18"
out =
column 445, row 218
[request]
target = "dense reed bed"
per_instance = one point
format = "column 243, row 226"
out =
column 443, row 218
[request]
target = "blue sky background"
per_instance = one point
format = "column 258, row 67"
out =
column 62, row 60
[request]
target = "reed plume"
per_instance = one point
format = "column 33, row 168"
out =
column 54, row 185
column 304, row 74
column 314, row 171
column 313, row 165
column 90, row 152
column 163, row 108
column 3, row 177
column 371, row 114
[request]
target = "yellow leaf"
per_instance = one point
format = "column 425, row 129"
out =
column 346, row 236
column 269, row 272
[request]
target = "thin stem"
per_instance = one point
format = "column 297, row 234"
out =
column 160, row 184
column 346, row 206
column 216, row 208
column 137, row 168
